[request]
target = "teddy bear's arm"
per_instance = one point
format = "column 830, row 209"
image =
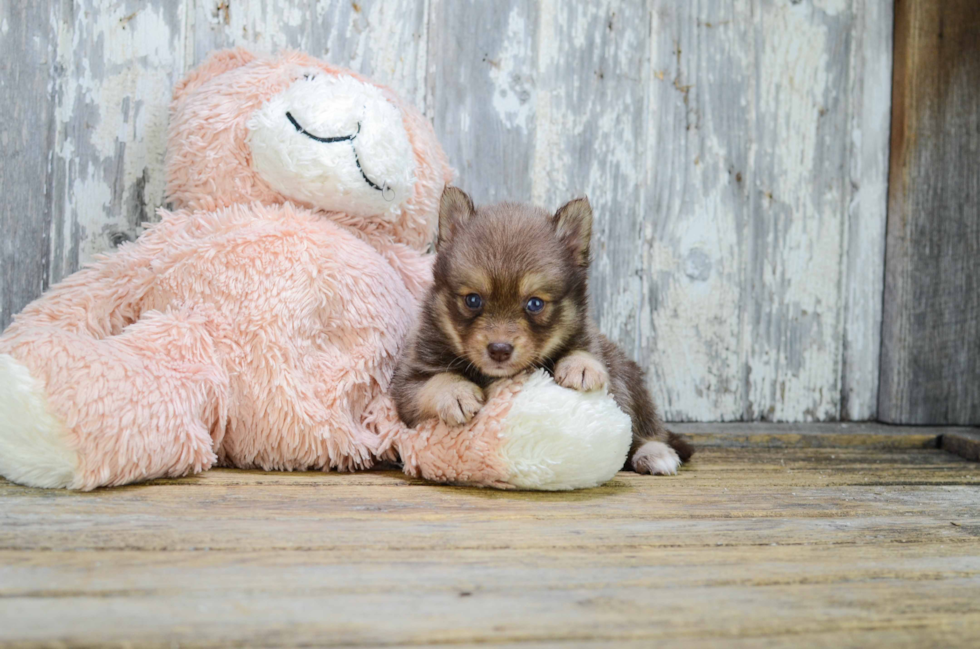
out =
column 99, row 300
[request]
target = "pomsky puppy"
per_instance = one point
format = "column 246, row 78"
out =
column 510, row 293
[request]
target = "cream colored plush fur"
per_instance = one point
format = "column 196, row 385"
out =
column 33, row 443
column 556, row 439
column 329, row 174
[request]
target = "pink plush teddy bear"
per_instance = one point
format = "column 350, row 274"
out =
column 257, row 326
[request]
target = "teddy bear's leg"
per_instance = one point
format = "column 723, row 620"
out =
column 530, row 434
column 82, row 412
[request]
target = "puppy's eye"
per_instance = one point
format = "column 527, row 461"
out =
column 473, row 301
column 534, row 305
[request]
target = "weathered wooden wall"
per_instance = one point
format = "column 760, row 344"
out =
column 930, row 368
column 735, row 152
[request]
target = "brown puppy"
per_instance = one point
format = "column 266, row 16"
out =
column 510, row 293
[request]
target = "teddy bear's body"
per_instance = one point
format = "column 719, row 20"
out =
column 277, row 328
column 258, row 325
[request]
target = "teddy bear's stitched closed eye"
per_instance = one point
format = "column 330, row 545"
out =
column 385, row 190
column 327, row 140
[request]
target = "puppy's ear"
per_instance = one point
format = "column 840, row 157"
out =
column 455, row 209
column 573, row 225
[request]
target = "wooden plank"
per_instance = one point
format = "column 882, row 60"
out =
column 481, row 93
column 711, row 352
column 149, row 573
column 28, row 71
column 813, row 435
column 741, row 548
column 965, row 443
column 802, row 496
column 589, row 135
column 804, row 516
column 960, row 635
column 930, row 369
column 384, row 40
column 590, row 130
column 119, row 62
column 333, row 620
column 870, row 80
column 749, row 205
column 805, row 496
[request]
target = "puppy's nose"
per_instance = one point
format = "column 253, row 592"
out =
column 500, row 351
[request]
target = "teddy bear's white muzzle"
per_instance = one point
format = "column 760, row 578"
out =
column 333, row 142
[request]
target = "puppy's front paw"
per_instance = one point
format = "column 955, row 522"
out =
column 459, row 403
column 451, row 398
column 581, row 371
column 656, row 458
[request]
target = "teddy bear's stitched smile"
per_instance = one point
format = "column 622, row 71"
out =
column 343, row 138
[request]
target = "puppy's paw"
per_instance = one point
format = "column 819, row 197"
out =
column 451, row 398
column 656, row 458
column 581, row 371
column 459, row 403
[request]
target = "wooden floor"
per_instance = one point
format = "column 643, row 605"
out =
column 830, row 538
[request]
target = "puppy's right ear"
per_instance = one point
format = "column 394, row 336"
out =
column 455, row 209
column 573, row 225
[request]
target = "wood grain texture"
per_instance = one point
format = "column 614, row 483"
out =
column 867, row 435
column 783, row 547
column 930, row 370
column 590, row 140
column 383, row 39
column 963, row 442
column 736, row 156
column 870, row 86
column 734, row 153
column 120, row 62
column 28, row 71
column 481, row 87
column 751, row 121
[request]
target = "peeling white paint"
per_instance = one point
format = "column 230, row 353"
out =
column 112, row 119
column 545, row 176
column 804, row 277
column 831, row 7
column 870, row 107
column 693, row 335
column 384, row 39
column 738, row 182
column 122, row 63
column 513, row 82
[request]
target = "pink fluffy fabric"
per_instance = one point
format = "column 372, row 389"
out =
column 245, row 330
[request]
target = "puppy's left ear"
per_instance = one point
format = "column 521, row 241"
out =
column 573, row 224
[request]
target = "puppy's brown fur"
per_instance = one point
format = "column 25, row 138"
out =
column 529, row 272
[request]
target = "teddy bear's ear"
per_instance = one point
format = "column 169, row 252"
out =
column 216, row 63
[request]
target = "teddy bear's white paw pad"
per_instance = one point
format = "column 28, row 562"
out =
column 656, row 458
column 34, row 448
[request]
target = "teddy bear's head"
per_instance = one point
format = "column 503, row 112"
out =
column 291, row 128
